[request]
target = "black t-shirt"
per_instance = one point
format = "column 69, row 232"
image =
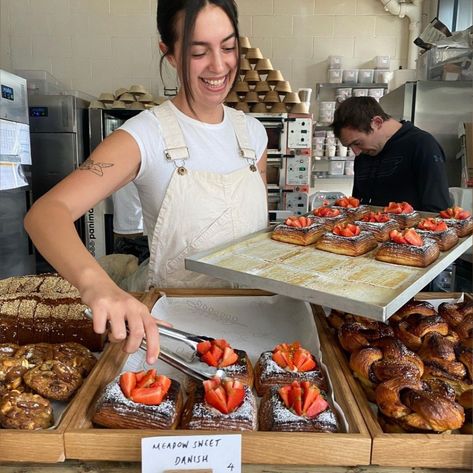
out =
column 410, row 168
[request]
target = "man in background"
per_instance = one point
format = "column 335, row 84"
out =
column 395, row 161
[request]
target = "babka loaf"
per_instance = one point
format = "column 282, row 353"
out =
column 52, row 318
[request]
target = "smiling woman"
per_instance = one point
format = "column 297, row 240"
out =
column 193, row 161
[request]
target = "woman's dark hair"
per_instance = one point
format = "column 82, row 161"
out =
column 167, row 16
column 357, row 113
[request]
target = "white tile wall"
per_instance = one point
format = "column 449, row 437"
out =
column 101, row 45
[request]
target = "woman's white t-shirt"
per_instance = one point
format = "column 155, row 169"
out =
column 212, row 148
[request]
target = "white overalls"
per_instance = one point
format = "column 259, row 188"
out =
column 202, row 209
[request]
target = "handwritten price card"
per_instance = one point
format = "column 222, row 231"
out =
column 217, row 453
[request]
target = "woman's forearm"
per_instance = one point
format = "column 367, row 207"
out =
column 52, row 230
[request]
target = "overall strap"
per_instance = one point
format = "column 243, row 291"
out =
column 175, row 145
column 238, row 120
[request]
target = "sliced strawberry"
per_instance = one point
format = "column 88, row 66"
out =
column 140, row 375
column 355, row 229
column 406, row 208
column 354, row 202
column 463, row 214
column 221, row 343
column 427, row 224
column 346, row 229
column 446, row 213
column 127, row 383
column 346, row 232
column 413, row 238
column 148, row 396
column 203, row 347
column 455, row 212
column 396, row 236
column 229, row 358
column 393, row 208
column 147, row 380
column 295, row 397
column 304, row 361
column 217, row 352
column 162, row 381
column 225, row 396
column 343, row 202
column 279, row 359
column 284, row 393
column 319, row 405
column 209, row 359
column 235, row 394
column 310, row 394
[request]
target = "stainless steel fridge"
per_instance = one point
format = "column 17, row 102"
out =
column 16, row 254
column 437, row 107
column 59, row 143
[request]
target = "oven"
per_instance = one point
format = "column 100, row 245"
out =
column 288, row 165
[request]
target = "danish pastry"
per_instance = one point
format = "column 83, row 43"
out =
column 379, row 224
column 234, row 363
column 403, row 213
column 437, row 230
column 220, row 405
column 408, row 248
column 296, row 407
column 27, row 411
column 352, row 207
column 53, row 380
column 459, row 219
column 329, row 216
column 285, row 363
column 347, row 239
column 299, row 231
column 141, row 400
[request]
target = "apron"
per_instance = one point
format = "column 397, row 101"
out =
column 201, row 209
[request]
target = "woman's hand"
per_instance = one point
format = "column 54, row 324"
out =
column 125, row 314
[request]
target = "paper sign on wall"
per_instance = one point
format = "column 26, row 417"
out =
column 219, row 453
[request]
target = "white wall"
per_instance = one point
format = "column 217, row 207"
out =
column 101, row 45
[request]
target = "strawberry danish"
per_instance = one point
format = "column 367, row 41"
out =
column 299, row 231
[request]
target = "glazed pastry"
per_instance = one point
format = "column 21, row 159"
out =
column 27, row 411
column 379, row 224
column 235, row 363
column 416, row 407
column 386, row 358
column 36, row 353
column 141, row 400
column 220, row 405
column 403, row 213
column 53, row 380
column 7, row 350
column 464, row 352
column 459, row 317
column 285, row 363
column 296, row 407
column 466, row 401
column 413, row 307
column 459, row 219
column 437, row 229
column 408, row 248
column 347, row 239
column 356, row 335
column 299, row 231
column 329, row 216
column 75, row 356
column 352, row 207
column 12, row 370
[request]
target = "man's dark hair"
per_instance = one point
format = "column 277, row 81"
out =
column 357, row 113
column 167, row 16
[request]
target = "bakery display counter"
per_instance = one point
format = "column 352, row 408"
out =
column 401, row 450
column 84, row 441
column 359, row 285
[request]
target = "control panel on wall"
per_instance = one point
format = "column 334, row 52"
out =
column 296, row 202
column 298, row 171
column 299, row 133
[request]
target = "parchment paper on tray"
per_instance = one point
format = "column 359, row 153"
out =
column 252, row 324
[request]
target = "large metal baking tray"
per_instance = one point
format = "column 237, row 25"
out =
column 359, row 285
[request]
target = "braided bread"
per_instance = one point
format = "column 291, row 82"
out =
column 415, row 406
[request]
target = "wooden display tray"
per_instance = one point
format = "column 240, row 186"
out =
column 46, row 446
column 85, row 442
column 400, row 450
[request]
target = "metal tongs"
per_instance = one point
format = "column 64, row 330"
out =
column 193, row 367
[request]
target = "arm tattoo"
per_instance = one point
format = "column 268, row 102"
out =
column 97, row 168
